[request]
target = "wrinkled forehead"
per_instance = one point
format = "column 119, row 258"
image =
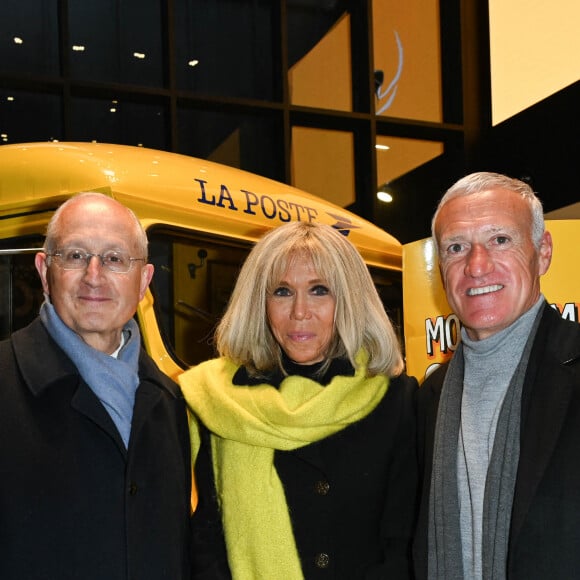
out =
column 485, row 212
column 92, row 221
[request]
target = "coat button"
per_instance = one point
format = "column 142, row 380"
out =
column 132, row 488
column 322, row 487
column 322, row 560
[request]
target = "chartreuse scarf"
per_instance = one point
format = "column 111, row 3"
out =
column 248, row 423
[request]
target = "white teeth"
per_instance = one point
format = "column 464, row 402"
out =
column 484, row 290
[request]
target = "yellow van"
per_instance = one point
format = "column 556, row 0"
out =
column 201, row 218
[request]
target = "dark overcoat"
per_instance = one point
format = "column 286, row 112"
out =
column 544, row 538
column 74, row 503
column 351, row 497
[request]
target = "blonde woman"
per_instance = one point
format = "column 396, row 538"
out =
column 308, row 423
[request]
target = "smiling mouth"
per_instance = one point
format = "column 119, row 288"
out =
column 484, row 290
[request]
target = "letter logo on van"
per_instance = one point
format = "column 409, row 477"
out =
column 343, row 225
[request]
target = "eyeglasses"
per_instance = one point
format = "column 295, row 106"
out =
column 76, row 259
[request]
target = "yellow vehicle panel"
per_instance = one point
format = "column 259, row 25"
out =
column 173, row 189
column 226, row 209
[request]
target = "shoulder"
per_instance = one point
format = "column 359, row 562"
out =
column 209, row 371
column 430, row 388
column 557, row 341
column 400, row 395
column 404, row 385
column 149, row 372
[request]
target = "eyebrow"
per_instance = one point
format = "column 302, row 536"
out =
column 492, row 229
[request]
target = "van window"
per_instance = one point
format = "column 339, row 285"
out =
column 194, row 277
column 20, row 287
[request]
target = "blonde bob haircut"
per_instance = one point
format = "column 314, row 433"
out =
column 360, row 321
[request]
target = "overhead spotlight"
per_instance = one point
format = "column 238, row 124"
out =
column 78, row 48
column 385, row 193
column 382, row 147
column 139, row 55
column 193, row 62
column 18, row 40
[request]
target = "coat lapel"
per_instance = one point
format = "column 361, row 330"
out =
column 548, row 389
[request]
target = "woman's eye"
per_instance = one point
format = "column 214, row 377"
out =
column 320, row 290
column 282, row 291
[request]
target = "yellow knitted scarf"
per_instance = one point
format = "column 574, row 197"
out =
column 247, row 424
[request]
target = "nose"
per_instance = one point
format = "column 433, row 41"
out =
column 479, row 262
column 300, row 307
column 94, row 265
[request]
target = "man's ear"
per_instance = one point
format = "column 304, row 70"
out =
column 42, row 269
column 146, row 276
column 545, row 253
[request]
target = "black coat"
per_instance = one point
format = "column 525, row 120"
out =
column 544, row 538
column 74, row 504
column 351, row 496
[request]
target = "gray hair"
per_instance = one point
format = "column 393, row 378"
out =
column 485, row 181
column 53, row 229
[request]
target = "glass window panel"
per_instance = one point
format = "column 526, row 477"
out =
column 407, row 58
column 28, row 117
column 29, row 36
column 414, row 173
column 323, row 164
column 117, row 41
column 226, row 47
column 194, row 277
column 118, row 121
column 320, row 55
column 20, row 287
column 250, row 142
column 397, row 156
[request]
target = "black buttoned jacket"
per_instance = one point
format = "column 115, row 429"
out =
column 74, row 503
column 351, row 496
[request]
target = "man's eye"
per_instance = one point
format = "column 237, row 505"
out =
column 501, row 240
column 454, row 248
column 75, row 255
column 114, row 258
column 320, row 290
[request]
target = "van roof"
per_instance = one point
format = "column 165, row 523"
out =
column 172, row 189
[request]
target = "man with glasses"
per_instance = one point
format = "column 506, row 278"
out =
column 95, row 473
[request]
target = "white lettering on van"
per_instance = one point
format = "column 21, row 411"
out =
column 568, row 312
column 443, row 330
